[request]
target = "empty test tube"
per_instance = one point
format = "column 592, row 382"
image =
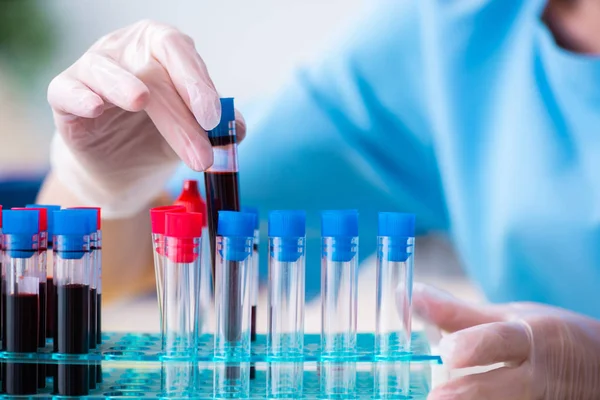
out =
column 395, row 244
column 181, row 279
column 339, row 282
column 254, row 273
column 157, row 221
column 287, row 244
column 21, row 299
column 72, row 281
column 232, row 294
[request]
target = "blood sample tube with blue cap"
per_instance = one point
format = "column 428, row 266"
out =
column 49, row 268
column 287, row 246
column 21, row 301
column 71, row 278
column 181, row 279
column 157, row 223
column 232, row 295
column 395, row 246
column 221, row 179
column 339, row 282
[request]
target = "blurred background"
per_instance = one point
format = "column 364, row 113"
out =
column 249, row 52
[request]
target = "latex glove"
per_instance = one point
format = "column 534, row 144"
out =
column 550, row 353
column 134, row 104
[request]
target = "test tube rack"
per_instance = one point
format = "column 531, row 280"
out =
column 133, row 367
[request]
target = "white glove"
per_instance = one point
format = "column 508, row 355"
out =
column 134, row 104
column 549, row 353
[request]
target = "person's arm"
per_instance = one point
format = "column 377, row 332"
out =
column 350, row 131
column 127, row 247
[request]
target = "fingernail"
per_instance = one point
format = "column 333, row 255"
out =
column 205, row 105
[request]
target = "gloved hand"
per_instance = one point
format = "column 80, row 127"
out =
column 549, row 353
column 134, row 104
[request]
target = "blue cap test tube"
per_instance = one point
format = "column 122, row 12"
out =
column 21, row 296
column 72, row 286
column 254, row 273
column 339, row 282
column 235, row 237
column 287, row 246
column 395, row 245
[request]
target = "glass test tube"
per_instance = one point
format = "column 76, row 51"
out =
column 50, row 295
column 221, row 179
column 232, row 294
column 231, row 380
column 42, row 292
column 395, row 245
column 339, row 282
column 338, row 379
column 391, row 380
column 21, row 299
column 285, row 380
column 157, row 218
column 254, row 273
column 181, row 279
column 71, row 278
column 287, row 241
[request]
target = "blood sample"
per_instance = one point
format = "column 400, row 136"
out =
column 21, row 301
column 221, row 179
column 71, row 264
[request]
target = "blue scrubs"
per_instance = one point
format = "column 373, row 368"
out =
column 464, row 112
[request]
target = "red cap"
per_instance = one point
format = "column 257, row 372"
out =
column 43, row 216
column 181, row 230
column 191, row 199
column 157, row 217
column 99, row 216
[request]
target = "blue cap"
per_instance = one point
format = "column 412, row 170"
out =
column 235, row 223
column 339, row 223
column 227, row 115
column 73, row 226
column 396, row 224
column 21, row 226
column 91, row 218
column 51, row 209
column 287, row 223
column 253, row 210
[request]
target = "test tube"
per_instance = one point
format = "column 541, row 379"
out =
column 50, row 295
column 221, row 179
column 254, row 273
column 391, row 379
column 21, row 299
column 71, row 277
column 157, row 218
column 338, row 379
column 232, row 294
column 191, row 199
column 395, row 245
column 339, row 282
column 42, row 274
column 287, row 243
column 285, row 380
column 181, row 279
column 1, row 287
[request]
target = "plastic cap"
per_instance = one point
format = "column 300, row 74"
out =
column 396, row 224
column 98, row 214
column 288, row 223
column 157, row 217
column 42, row 215
column 71, row 223
column 235, row 223
column 19, row 222
column 338, row 223
column 253, row 210
column 191, row 199
column 183, row 225
column 0, row 216
column 51, row 208
column 91, row 218
column 227, row 110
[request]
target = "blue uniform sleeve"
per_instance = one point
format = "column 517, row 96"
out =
column 348, row 132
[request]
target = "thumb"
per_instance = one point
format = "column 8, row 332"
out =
column 447, row 312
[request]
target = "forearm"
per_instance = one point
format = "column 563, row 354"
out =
column 127, row 248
